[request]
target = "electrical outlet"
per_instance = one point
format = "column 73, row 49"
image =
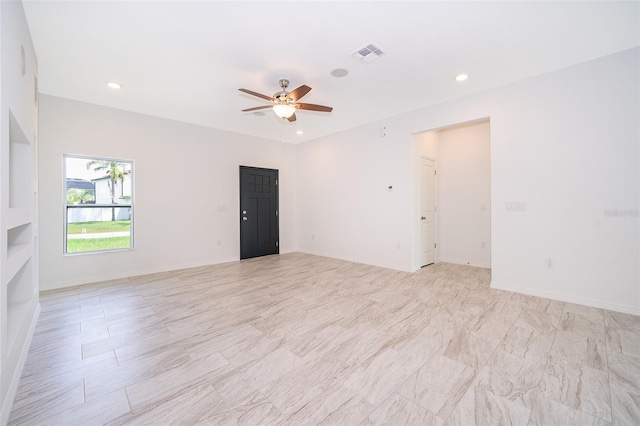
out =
column 549, row 263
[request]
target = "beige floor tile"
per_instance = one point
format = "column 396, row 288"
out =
column 624, row 380
column 366, row 344
column 485, row 408
column 133, row 371
column 398, row 410
column 336, row 405
column 438, row 385
column 263, row 372
column 297, row 339
column 583, row 388
column 580, row 350
column 253, row 410
column 510, row 377
column 98, row 411
column 625, row 402
column 548, row 412
column 33, row 407
column 594, row 314
column 624, row 368
column 622, row 321
column 503, row 392
column 193, row 405
column 294, row 390
column 527, row 342
column 552, row 307
column 153, row 390
column 377, row 379
column 582, row 326
column 470, row 348
column 66, row 373
column 623, row 341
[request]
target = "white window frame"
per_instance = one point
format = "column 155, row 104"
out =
column 65, row 206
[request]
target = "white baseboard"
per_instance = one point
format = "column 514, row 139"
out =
column 17, row 373
column 395, row 267
column 466, row 262
column 116, row 276
column 627, row 309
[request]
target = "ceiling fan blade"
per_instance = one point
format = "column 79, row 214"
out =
column 314, row 107
column 257, row 108
column 260, row 95
column 299, row 92
column 293, row 117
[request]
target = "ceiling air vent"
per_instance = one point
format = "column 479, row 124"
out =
column 368, row 54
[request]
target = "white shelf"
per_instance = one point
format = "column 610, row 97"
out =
column 21, row 255
column 20, row 173
column 17, row 251
column 20, row 294
column 17, row 217
column 16, row 316
column 19, row 248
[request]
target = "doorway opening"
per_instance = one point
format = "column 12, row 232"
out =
column 453, row 209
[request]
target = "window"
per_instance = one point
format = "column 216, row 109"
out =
column 98, row 204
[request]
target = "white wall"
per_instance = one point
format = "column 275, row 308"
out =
column 345, row 208
column 566, row 143
column 199, row 226
column 464, row 180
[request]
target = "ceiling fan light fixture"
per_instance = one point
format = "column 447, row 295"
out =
column 284, row 110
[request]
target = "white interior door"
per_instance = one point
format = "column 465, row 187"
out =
column 427, row 211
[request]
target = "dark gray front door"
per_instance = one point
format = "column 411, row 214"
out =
column 258, row 212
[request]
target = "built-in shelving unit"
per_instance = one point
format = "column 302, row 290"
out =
column 18, row 266
column 19, row 271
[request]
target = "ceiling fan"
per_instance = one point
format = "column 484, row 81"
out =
column 285, row 104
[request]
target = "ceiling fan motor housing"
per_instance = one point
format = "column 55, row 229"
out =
column 284, row 83
column 279, row 96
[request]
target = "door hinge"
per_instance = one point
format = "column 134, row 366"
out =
column 435, row 172
column 435, row 209
column 276, row 244
column 435, row 245
column 276, row 182
column 276, row 212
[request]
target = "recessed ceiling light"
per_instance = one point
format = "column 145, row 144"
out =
column 114, row 85
column 461, row 77
column 298, row 132
column 339, row 72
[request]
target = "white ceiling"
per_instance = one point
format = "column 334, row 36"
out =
column 186, row 60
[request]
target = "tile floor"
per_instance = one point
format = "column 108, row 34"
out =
column 299, row 339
